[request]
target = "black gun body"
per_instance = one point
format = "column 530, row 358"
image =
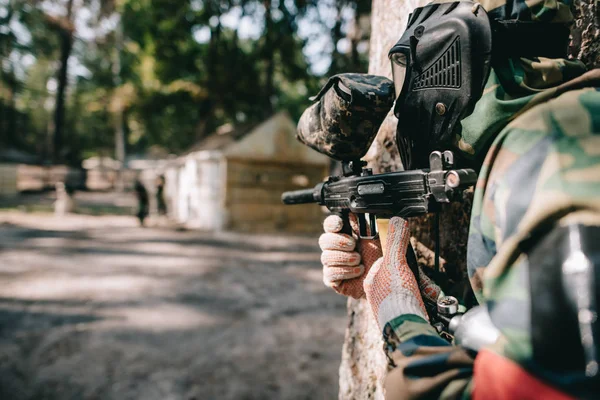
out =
column 403, row 194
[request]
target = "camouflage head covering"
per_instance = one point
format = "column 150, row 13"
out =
column 555, row 11
column 346, row 116
column 516, row 84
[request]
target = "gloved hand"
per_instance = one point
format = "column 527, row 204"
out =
column 390, row 286
column 345, row 263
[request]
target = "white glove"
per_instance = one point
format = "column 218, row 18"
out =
column 390, row 286
column 344, row 262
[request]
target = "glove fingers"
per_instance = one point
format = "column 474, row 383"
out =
column 340, row 258
column 397, row 240
column 336, row 241
column 333, row 224
column 338, row 273
column 331, row 284
column 372, row 273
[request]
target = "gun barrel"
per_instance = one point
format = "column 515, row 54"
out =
column 299, row 196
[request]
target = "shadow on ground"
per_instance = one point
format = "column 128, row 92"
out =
column 96, row 308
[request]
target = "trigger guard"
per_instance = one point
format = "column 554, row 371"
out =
column 363, row 233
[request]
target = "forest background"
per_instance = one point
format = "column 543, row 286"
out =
column 80, row 78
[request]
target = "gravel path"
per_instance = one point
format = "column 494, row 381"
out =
column 97, row 308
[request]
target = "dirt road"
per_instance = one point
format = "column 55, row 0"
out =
column 97, row 308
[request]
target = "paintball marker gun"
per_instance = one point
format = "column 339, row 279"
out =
column 404, row 194
column 472, row 329
column 342, row 124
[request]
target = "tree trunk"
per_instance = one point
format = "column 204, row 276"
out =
column 11, row 128
column 363, row 361
column 269, row 58
column 586, row 33
column 208, row 105
column 118, row 115
column 66, row 45
column 363, row 364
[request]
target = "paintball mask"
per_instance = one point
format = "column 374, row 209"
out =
column 442, row 62
column 440, row 66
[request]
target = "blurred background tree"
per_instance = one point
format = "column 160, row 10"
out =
column 79, row 76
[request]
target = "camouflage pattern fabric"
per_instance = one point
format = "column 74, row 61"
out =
column 574, row 113
column 536, row 134
column 555, row 11
column 543, row 167
column 347, row 115
column 515, row 84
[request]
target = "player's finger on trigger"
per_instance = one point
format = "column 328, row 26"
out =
column 336, row 241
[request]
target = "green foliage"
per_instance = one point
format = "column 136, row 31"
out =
column 174, row 70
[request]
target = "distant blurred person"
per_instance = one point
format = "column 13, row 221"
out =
column 142, row 197
column 64, row 203
column 160, row 195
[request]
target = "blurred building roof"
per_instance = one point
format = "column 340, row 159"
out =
column 224, row 136
column 273, row 140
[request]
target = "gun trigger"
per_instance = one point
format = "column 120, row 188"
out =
column 367, row 230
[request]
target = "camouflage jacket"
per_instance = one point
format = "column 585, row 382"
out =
column 536, row 131
column 544, row 166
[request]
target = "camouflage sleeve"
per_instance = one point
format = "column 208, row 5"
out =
column 540, row 167
column 422, row 364
column 542, row 170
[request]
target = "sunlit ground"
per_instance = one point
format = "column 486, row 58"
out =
column 98, row 308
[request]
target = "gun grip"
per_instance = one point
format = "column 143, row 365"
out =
column 411, row 258
column 382, row 229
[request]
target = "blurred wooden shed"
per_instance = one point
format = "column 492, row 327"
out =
column 8, row 179
column 234, row 178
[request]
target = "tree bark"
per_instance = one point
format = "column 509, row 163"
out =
column 586, row 33
column 363, row 364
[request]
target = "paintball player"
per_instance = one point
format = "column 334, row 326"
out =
column 533, row 253
column 143, row 201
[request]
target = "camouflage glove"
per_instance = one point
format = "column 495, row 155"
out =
column 390, row 286
column 345, row 263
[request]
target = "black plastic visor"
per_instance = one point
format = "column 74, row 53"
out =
column 399, row 63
